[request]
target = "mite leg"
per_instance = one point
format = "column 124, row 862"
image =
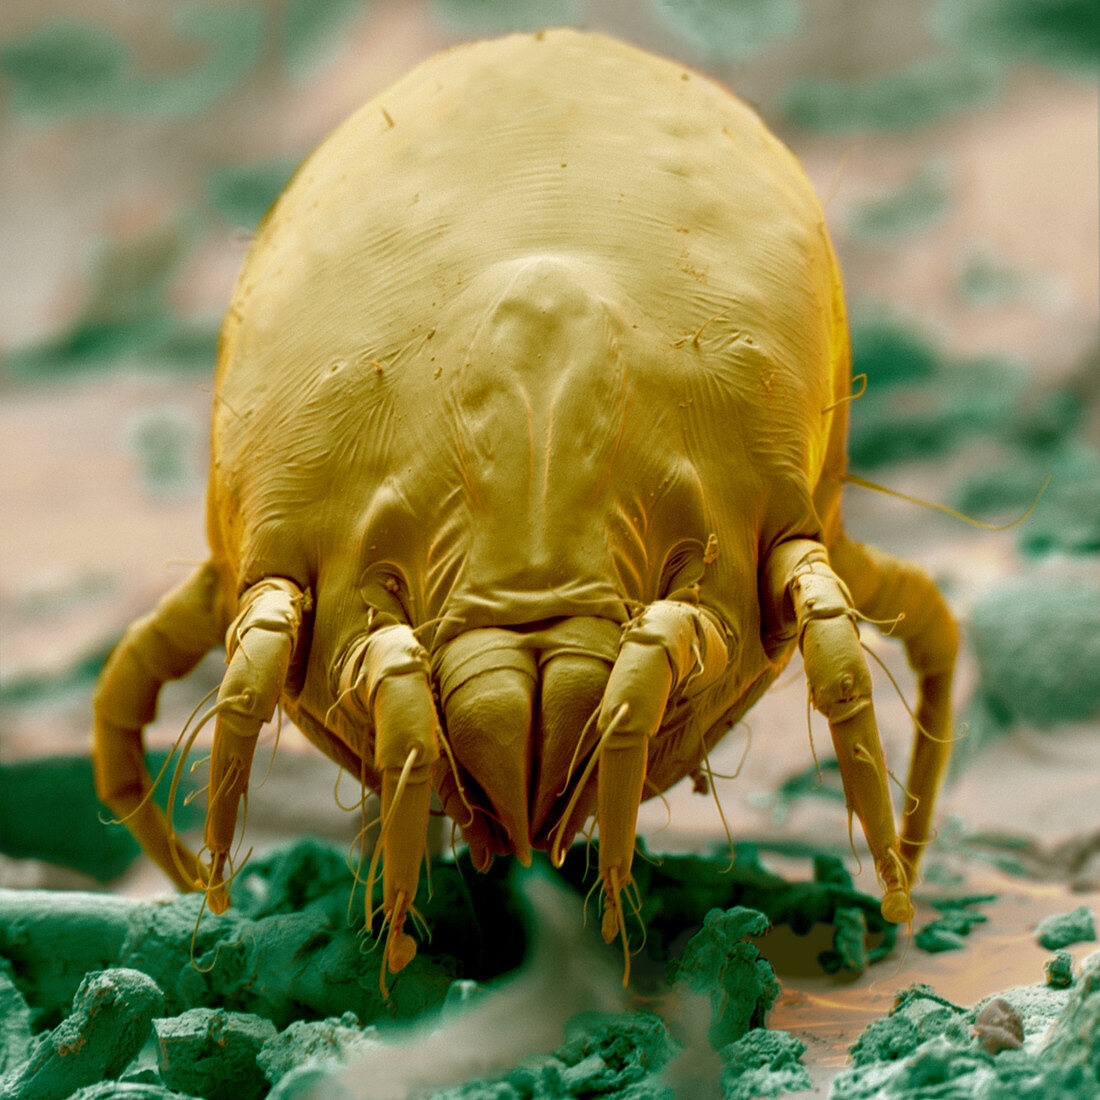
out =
column 666, row 645
column 162, row 646
column 389, row 681
column 259, row 646
column 800, row 582
column 884, row 587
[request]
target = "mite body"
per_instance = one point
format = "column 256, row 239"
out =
column 528, row 447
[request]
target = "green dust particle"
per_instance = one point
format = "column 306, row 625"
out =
column 68, row 68
column 1066, row 518
column 890, row 352
column 956, row 921
column 728, row 31
column 885, row 1040
column 918, row 403
column 268, row 954
column 111, row 1017
column 312, row 29
column 819, row 780
column 32, row 689
column 126, row 316
column 1062, row 929
column 212, row 1053
column 233, row 35
column 49, row 812
column 64, row 69
column 130, row 277
column 763, row 1063
column 986, row 281
column 918, row 204
column 926, row 92
column 961, row 402
column 1075, row 1037
column 604, row 1054
column 718, row 963
column 241, row 194
column 1062, row 33
column 1037, row 640
column 1058, row 970
column 473, row 17
column 168, row 446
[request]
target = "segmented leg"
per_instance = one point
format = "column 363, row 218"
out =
column 887, row 588
column 806, row 593
column 259, row 645
column 164, row 645
column 666, row 645
column 387, row 678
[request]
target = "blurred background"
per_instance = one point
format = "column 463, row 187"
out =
column 954, row 144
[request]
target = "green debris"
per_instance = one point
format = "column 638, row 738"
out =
column 485, row 17
column 956, row 404
column 962, row 901
column 233, row 35
column 957, row 920
column 935, row 938
column 891, row 352
column 1062, row 929
column 849, row 951
column 69, row 69
column 1062, row 33
column 740, row 983
column 312, row 29
column 678, row 893
column 311, row 1081
column 920, row 403
column 126, row 1090
column 1037, row 640
column 1075, row 1037
column 819, row 780
column 16, row 1030
column 64, row 69
column 168, row 445
column 830, row 870
column 333, row 1041
column 763, row 1063
column 126, row 317
column 917, row 1015
column 987, row 281
column 32, row 688
column 212, row 1053
column 1059, row 970
column 1067, row 517
column 49, row 811
column 918, row 204
column 885, row 1040
column 926, row 92
column 241, row 194
column 267, row 955
column 111, row 1017
column 730, row 32
column 931, row 1049
column 606, row 1054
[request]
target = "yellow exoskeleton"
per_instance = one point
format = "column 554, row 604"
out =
column 528, row 447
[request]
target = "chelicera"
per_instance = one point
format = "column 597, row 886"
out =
column 528, row 448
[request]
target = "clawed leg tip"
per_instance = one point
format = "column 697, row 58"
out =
column 217, row 900
column 400, row 951
column 897, row 908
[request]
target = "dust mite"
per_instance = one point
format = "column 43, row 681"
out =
column 528, row 447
